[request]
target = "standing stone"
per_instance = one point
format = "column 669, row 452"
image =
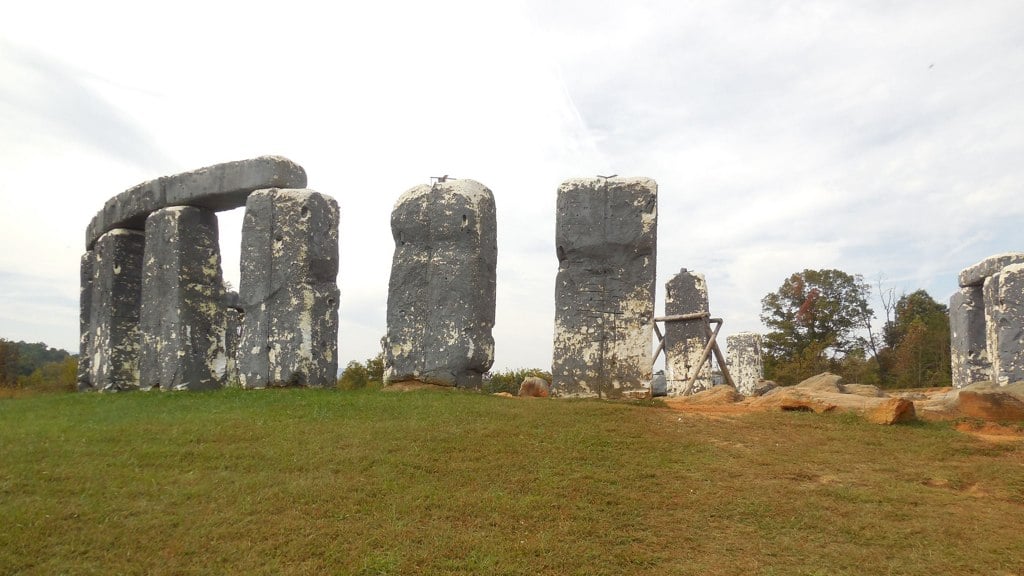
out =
column 232, row 332
column 441, row 295
column 85, row 320
column 1009, row 348
column 993, row 315
column 606, row 237
column 182, row 320
column 116, row 298
column 685, row 340
column 970, row 360
column 288, row 290
column 745, row 364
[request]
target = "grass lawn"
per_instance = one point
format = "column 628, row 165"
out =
column 329, row 482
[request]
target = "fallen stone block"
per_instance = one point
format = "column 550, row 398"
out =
column 824, row 382
column 535, row 387
column 745, row 361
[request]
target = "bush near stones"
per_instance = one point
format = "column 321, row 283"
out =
column 510, row 380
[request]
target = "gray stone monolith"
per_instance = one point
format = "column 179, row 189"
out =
column 969, row 353
column 182, row 322
column 116, row 301
column 288, row 290
column 745, row 361
column 441, row 295
column 232, row 332
column 85, row 319
column 1008, row 358
column 685, row 340
column 606, row 238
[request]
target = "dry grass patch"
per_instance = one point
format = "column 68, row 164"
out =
column 312, row 482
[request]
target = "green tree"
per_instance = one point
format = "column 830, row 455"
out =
column 813, row 321
column 918, row 342
column 353, row 377
column 8, row 363
column 375, row 368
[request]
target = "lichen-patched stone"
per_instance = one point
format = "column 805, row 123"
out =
column 288, row 290
column 745, row 361
column 218, row 187
column 686, row 293
column 85, row 319
column 182, row 321
column 969, row 353
column 606, row 238
column 116, row 298
column 441, row 295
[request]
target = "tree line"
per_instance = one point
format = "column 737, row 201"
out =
column 36, row 366
column 821, row 320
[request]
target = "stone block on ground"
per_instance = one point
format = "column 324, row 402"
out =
column 606, row 243
column 1009, row 332
column 824, row 382
column 288, row 290
column 441, row 295
column 534, row 387
column 891, row 411
column 85, row 319
column 182, row 321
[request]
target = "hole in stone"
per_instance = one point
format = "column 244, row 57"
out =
column 304, row 212
column 330, row 301
column 561, row 253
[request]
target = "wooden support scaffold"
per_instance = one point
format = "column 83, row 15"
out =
column 711, row 347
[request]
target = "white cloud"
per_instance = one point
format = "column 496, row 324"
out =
column 870, row 137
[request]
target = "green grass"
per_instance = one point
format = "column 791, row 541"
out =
column 329, row 482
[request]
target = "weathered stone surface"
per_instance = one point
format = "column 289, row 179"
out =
column 686, row 293
column 763, row 387
column 868, row 390
column 745, row 363
column 891, row 411
column 824, row 382
column 993, row 316
column 969, row 353
column 218, row 187
column 535, row 387
column 232, row 333
column 975, row 275
column 182, row 322
column 116, row 300
column 85, row 319
column 288, row 290
column 716, row 395
column 990, row 405
column 659, row 386
column 441, row 295
column 606, row 237
column 1008, row 358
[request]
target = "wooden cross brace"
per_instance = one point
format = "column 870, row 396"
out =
column 711, row 347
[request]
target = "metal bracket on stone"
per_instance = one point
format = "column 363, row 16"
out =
column 711, row 347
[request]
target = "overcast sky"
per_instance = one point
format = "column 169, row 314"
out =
column 879, row 138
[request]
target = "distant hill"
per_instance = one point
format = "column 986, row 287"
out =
column 20, row 360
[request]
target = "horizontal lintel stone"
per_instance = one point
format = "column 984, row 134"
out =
column 219, row 187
